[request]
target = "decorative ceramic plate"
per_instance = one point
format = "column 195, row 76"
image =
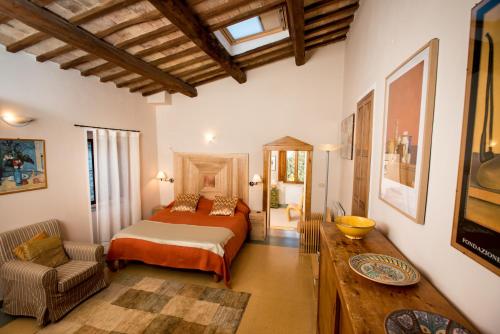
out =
column 419, row 322
column 384, row 269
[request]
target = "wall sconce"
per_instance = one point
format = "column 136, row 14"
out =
column 16, row 121
column 209, row 138
column 256, row 179
column 163, row 177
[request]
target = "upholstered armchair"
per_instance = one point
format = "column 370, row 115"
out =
column 47, row 293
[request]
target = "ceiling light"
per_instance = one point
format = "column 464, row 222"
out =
column 17, row 121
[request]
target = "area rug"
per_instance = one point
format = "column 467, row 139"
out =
column 136, row 304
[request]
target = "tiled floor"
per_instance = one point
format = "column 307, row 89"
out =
column 279, row 219
column 279, row 279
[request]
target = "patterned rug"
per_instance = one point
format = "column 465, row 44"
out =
column 135, row 304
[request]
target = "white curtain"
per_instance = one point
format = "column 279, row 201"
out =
column 118, row 202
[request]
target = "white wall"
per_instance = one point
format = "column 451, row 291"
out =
column 384, row 34
column 58, row 99
column 277, row 100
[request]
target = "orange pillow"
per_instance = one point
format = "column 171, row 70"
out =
column 19, row 251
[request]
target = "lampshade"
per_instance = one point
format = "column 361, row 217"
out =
column 161, row 175
column 329, row 147
column 256, row 178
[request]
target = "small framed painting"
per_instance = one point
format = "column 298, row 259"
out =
column 408, row 117
column 347, row 137
column 476, row 225
column 22, row 165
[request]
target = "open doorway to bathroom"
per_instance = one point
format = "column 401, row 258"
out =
column 287, row 186
column 286, row 204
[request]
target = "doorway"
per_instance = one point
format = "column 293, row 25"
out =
column 287, row 185
column 362, row 156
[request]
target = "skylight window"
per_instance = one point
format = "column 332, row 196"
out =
column 262, row 29
column 246, row 28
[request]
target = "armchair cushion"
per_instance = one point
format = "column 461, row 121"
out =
column 19, row 250
column 29, row 273
column 84, row 252
column 75, row 272
column 47, row 252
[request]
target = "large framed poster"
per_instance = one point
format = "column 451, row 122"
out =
column 409, row 110
column 476, row 225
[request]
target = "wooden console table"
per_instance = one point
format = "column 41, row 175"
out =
column 349, row 303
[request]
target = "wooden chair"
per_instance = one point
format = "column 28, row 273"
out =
column 295, row 207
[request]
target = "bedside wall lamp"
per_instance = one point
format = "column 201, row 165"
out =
column 16, row 121
column 256, row 179
column 163, row 177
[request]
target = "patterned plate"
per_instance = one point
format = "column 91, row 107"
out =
column 384, row 269
column 417, row 322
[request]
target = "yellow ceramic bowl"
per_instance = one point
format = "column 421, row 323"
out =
column 354, row 227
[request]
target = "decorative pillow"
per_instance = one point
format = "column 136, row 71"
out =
column 19, row 250
column 224, row 206
column 186, row 203
column 46, row 252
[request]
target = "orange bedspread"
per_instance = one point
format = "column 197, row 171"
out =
column 187, row 257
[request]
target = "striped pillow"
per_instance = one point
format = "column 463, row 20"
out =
column 224, row 206
column 186, row 203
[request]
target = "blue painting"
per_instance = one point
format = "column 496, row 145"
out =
column 22, row 165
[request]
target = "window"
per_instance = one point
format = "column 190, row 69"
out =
column 246, row 28
column 295, row 166
column 90, row 148
column 266, row 24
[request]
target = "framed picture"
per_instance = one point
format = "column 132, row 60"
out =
column 347, row 137
column 408, row 116
column 273, row 163
column 476, row 225
column 22, row 165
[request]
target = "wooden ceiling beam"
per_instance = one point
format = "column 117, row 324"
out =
column 49, row 23
column 177, row 12
column 335, row 15
column 146, row 17
column 165, row 30
column 209, row 80
column 114, row 76
column 170, row 70
column 325, row 41
column 318, row 9
column 78, row 19
column 296, row 28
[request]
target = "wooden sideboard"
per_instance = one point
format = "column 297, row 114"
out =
column 349, row 303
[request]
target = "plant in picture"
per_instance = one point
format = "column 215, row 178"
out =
column 13, row 157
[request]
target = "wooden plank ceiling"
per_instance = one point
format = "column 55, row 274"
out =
column 149, row 46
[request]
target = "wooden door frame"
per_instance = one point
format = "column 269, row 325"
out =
column 369, row 96
column 287, row 144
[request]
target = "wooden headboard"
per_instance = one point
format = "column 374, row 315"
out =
column 211, row 174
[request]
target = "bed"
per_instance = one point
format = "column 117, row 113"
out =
column 193, row 240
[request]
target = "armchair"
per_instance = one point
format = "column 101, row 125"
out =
column 46, row 293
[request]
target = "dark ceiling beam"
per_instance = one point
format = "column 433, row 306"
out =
column 177, row 12
column 295, row 9
column 146, row 17
column 51, row 24
column 78, row 19
column 165, row 30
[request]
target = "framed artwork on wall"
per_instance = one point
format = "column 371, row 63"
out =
column 22, row 165
column 347, row 137
column 408, row 117
column 476, row 225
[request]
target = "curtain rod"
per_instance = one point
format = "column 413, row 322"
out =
column 99, row 127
